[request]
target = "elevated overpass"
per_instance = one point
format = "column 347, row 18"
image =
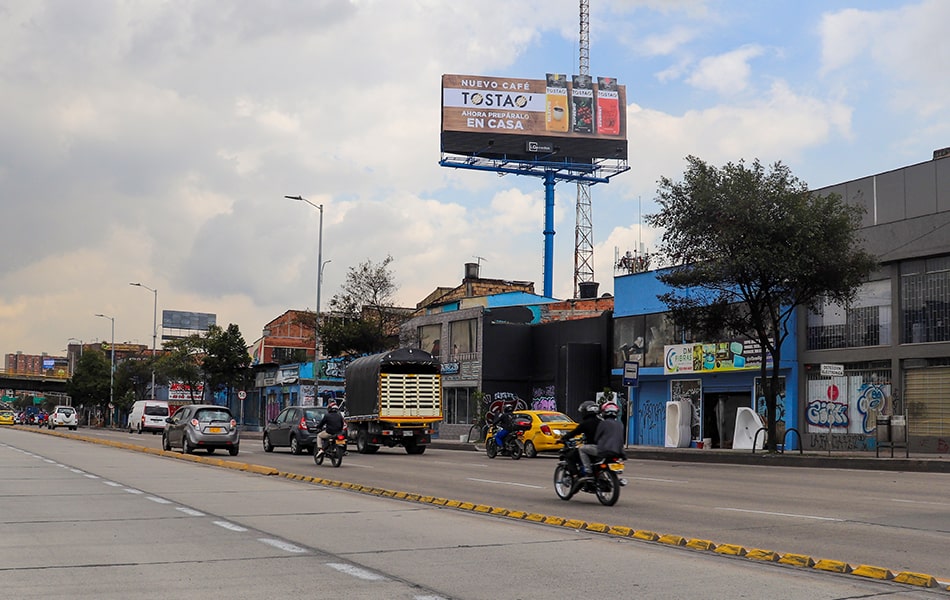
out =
column 23, row 382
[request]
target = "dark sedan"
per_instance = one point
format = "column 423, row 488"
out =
column 295, row 428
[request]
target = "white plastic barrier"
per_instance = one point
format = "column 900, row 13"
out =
column 748, row 423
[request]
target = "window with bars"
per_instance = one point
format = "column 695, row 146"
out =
column 867, row 322
column 925, row 300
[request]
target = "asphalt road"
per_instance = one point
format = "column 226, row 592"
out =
column 83, row 520
column 896, row 520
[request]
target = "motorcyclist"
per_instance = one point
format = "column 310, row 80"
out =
column 504, row 425
column 608, row 439
column 590, row 420
column 330, row 425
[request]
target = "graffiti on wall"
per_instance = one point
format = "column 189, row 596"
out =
column 846, row 442
column 848, row 403
column 499, row 400
column 653, row 416
column 542, row 398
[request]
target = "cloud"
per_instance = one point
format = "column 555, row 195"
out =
column 726, row 73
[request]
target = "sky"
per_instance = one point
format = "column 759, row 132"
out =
column 154, row 141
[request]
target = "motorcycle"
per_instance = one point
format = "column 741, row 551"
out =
column 512, row 446
column 605, row 481
column 333, row 448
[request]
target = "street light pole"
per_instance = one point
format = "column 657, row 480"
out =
column 316, row 325
column 72, row 366
column 154, row 328
column 112, row 363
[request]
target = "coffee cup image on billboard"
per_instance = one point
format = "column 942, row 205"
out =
column 556, row 109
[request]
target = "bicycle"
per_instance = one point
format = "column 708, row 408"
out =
column 476, row 436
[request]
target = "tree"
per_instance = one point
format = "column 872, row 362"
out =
column 181, row 361
column 132, row 379
column 363, row 317
column 89, row 385
column 226, row 359
column 750, row 246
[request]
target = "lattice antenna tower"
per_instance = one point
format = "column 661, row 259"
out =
column 583, row 228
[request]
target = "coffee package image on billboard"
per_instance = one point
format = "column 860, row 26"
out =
column 582, row 104
column 608, row 106
column 556, row 115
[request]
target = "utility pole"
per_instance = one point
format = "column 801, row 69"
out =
column 583, row 226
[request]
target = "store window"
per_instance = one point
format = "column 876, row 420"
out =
column 925, row 300
column 866, row 322
column 458, row 405
column 629, row 340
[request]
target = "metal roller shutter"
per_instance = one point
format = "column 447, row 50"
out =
column 927, row 394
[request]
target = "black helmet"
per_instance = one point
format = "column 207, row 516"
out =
column 588, row 408
column 509, row 408
column 610, row 410
column 332, row 407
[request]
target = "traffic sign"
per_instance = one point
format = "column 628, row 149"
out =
column 242, row 395
column 631, row 372
column 832, row 370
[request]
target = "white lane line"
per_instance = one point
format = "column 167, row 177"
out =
column 536, row 487
column 190, row 511
column 91, row 476
column 159, row 500
column 660, row 480
column 78, row 471
column 230, row 526
column 112, row 483
column 51, row 461
column 282, row 545
column 778, row 514
column 925, row 502
column 455, row 464
column 428, row 598
column 356, row 572
column 133, row 491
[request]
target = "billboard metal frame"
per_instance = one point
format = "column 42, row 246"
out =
column 598, row 171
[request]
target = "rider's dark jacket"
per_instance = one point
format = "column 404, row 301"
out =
column 332, row 422
column 587, row 427
column 609, row 438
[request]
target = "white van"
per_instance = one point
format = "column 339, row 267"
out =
column 148, row 415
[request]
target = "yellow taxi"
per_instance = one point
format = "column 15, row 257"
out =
column 547, row 427
column 7, row 417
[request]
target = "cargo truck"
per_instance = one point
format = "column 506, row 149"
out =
column 393, row 399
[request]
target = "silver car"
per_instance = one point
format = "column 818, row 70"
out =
column 202, row 426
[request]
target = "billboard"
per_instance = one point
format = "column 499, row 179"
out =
column 575, row 119
column 192, row 321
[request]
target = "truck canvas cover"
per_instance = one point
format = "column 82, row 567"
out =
column 408, row 377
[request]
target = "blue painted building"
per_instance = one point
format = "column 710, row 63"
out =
column 715, row 377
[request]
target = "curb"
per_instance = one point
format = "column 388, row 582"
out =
column 802, row 561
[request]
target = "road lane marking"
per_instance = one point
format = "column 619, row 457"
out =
column 190, row 511
column 230, row 526
column 456, row 464
column 112, row 483
column 159, row 500
column 778, row 514
column 133, row 491
column 356, row 572
column 282, row 545
column 536, row 487
column 660, row 480
column 925, row 502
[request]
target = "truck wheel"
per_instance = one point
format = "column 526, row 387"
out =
column 362, row 443
column 412, row 447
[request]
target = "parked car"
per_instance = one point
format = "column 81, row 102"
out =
column 295, row 428
column 202, row 426
column 63, row 416
column 7, row 417
column 547, row 427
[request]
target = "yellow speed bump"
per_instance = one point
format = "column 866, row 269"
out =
column 872, row 572
column 835, row 566
column 918, row 579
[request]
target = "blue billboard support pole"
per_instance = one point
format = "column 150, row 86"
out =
column 549, row 182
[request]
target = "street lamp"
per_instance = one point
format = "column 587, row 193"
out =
column 316, row 325
column 112, row 361
column 154, row 328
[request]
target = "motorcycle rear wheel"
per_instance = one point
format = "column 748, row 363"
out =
column 607, row 487
column 516, row 449
column 563, row 483
column 318, row 457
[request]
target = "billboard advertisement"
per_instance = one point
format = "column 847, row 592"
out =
column 576, row 119
column 192, row 321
